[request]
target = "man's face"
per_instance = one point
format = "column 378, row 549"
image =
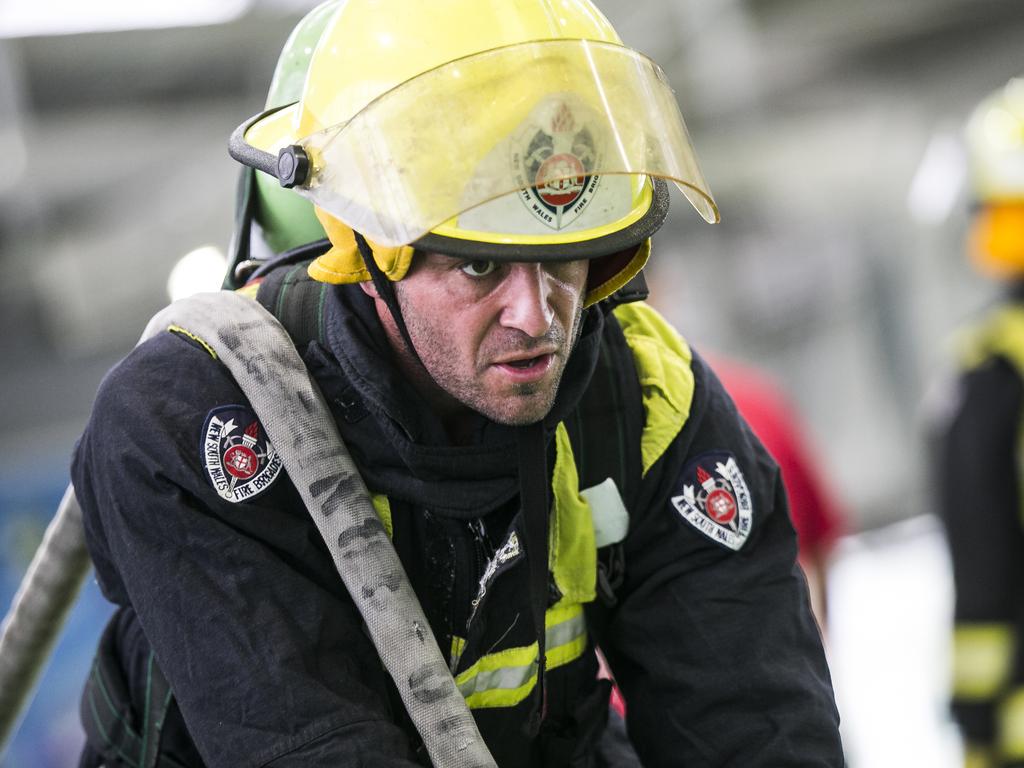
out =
column 494, row 337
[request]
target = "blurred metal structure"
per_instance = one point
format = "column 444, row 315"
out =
column 811, row 117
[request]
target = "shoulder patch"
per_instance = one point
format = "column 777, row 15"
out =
column 712, row 496
column 239, row 460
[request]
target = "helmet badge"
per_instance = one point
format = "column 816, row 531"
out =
column 555, row 170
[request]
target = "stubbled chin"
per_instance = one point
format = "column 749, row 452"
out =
column 521, row 404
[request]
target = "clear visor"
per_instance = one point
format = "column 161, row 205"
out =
column 543, row 119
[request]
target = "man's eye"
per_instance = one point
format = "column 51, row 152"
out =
column 479, row 267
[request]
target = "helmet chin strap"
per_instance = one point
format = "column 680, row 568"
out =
column 386, row 291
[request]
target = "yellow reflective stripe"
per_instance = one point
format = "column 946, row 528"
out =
column 666, row 380
column 458, row 646
column 505, row 678
column 1002, row 333
column 382, row 504
column 501, row 679
column 982, row 654
column 572, row 547
column 1011, row 726
column 565, row 636
column 978, row 757
column 503, row 687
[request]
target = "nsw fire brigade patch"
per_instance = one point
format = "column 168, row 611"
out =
column 713, row 497
column 239, row 459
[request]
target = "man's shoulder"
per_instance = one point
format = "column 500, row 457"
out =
column 171, row 408
column 172, row 365
column 663, row 365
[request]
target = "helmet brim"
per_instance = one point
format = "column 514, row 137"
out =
column 613, row 242
column 574, row 119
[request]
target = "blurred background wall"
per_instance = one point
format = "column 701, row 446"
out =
column 829, row 131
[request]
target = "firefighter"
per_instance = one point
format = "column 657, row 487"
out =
column 558, row 471
column 977, row 465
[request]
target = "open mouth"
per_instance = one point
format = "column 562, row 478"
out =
column 527, row 368
column 527, row 363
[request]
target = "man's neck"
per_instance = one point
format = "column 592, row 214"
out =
column 459, row 421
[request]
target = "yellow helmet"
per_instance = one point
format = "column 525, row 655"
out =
column 514, row 130
column 995, row 145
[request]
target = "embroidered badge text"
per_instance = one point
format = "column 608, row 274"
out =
column 239, row 459
column 715, row 499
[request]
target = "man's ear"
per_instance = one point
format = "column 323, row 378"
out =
column 369, row 289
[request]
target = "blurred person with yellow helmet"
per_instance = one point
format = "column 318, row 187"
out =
column 448, row 204
column 978, row 473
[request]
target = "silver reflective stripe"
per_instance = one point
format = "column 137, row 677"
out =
column 506, row 678
column 513, row 677
column 565, row 632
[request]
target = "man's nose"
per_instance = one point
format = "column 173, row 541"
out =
column 527, row 300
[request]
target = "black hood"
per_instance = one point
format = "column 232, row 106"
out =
column 398, row 441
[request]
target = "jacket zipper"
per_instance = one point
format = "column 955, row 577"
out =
column 471, row 562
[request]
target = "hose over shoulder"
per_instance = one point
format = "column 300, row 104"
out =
column 264, row 362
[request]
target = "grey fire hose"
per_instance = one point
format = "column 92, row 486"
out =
column 39, row 610
column 260, row 355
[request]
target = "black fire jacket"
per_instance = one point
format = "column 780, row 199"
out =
column 225, row 585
